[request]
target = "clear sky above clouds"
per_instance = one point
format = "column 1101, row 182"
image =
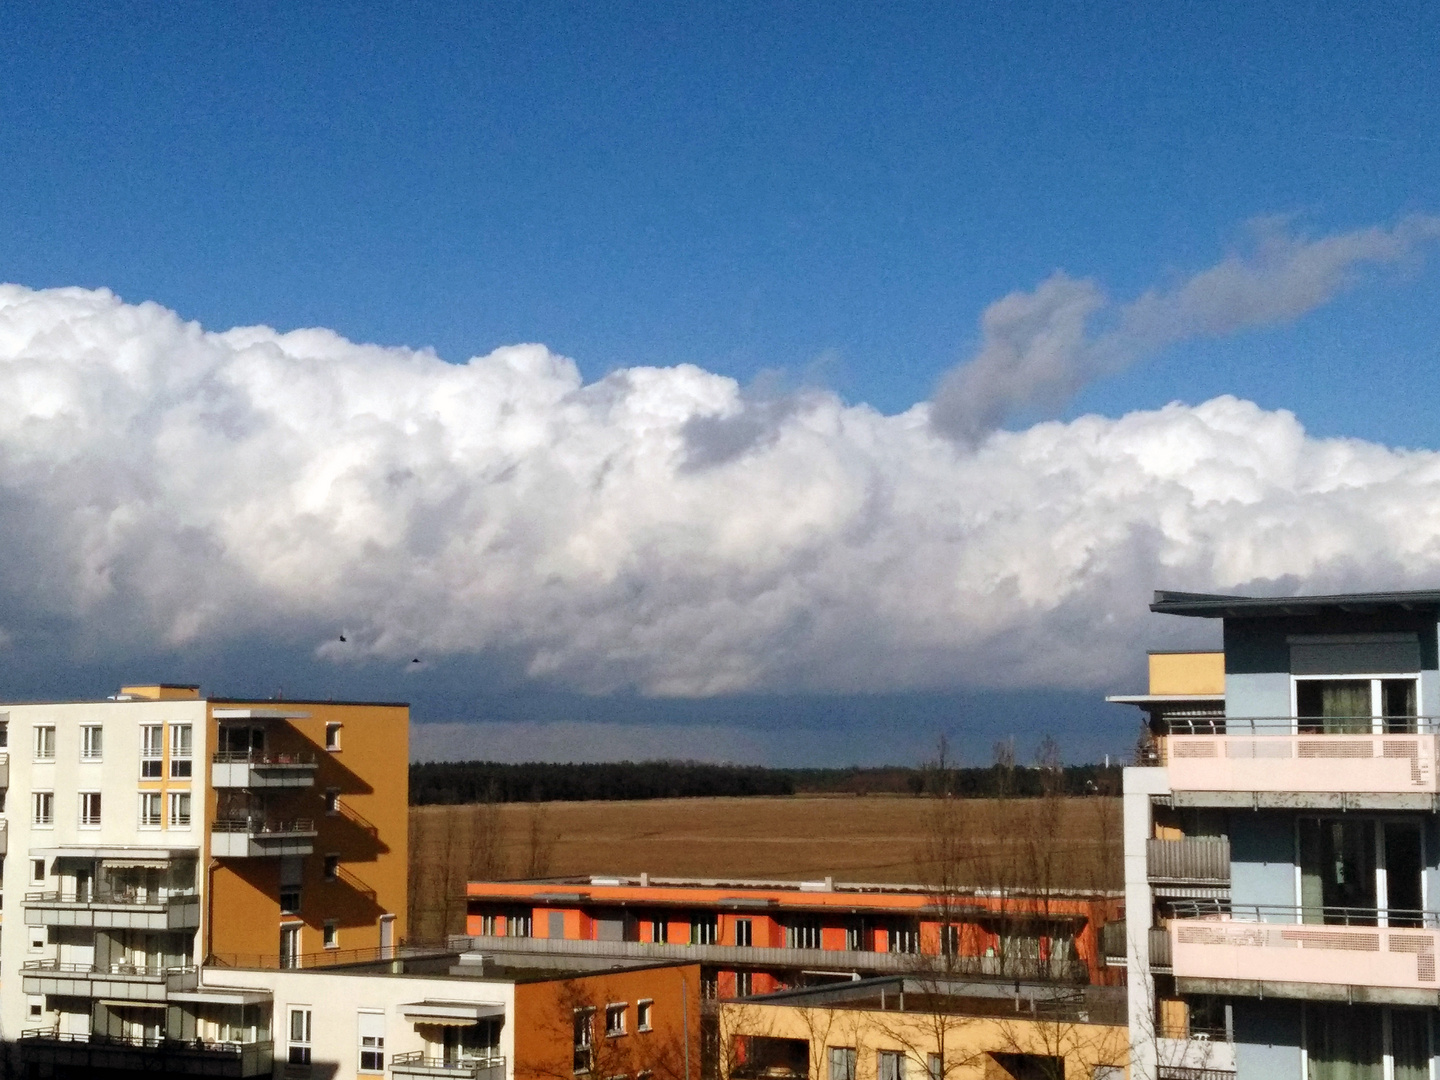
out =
column 1003, row 213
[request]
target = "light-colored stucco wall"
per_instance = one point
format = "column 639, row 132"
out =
column 1182, row 673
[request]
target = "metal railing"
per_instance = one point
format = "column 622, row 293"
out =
column 1190, row 859
column 1007, row 966
column 265, row 826
column 474, row 1068
column 1316, row 915
column 328, row 957
column 138, row 897
column 139, row 971
column 257, row 757
column 1302, row 725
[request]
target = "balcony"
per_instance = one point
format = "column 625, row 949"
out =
column 124, row 910
column 1346, row 954
column 50, row 1050
column 252, row 838
column 1190, row 866
column 4, row 769
column 416, row 1063
column 1276, row 762
column 124, row 982
column 253, row 771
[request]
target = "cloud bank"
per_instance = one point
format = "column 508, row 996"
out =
column 1039, row 348
column 656, row 530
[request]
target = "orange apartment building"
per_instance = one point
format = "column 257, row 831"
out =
column 755, row 937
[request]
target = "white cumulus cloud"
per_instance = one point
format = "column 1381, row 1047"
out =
column 656, row 530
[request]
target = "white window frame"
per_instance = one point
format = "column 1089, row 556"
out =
column 298, row 1050
column 644, row 1012
column 292, row 930
column 182, row 751
column 371, row 1044
column 615, row 1009
column 332, row 735
column 37, row 879
column 291, row 890
column 152, row 751
column 91, row 809
column 331, row 934
column 37, row 938
column 92, row 742
column 43, row 742
column 147, row 800
column 330, row 866
column 332, row 801
column 175, row 819
column 45, row 800
column 1377, row 701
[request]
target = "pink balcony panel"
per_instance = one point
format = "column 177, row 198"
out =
column 1320, row 763
column 1281, row 952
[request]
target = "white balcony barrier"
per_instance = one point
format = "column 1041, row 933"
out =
column 1398, row 763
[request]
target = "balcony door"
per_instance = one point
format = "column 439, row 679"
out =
column 1356, row 706
column 1360, row 870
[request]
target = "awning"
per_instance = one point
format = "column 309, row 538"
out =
column 451, row 1013
column 135, row 864
column 146, row 854
column 219, row 995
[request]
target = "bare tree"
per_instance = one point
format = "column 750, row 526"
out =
column 579, row 1020
column 540, row 846
column 485, row 855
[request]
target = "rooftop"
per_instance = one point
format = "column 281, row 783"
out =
column 1219, row 606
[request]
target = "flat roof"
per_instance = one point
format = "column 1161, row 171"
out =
column 254, row 703
column 1219, row 606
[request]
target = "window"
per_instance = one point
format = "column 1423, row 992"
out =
column 372, row 1042
column 935, row 1066
column 904, row 938
column 615, row 1019
column 90, row 809
column 521, row 924
column 487, row 926
column 743, row 933
column 802, row 935
column 744, row 983
column 703, row 930
column 179, row 809
column 842, row 1063
column 290, row 947
column 709, row 986
column 332, row 736
column 1355, row 706
column 289, row 901
column 36, row 1007
column 642, row 1015
column 4, row 730
column 950, row 939
column 149, row 809
column 42, row 809
column 659, row 930
column 332, row 867
column 37, row 940
column 180, row 745
column 299, row 1037
column 151, row 751
column 332, row 801
column 92, row 742
column 857, row 939
column 892, row 1065
column 45, row 742
column 37, row 871
column 584, row 1038
column 332, row 934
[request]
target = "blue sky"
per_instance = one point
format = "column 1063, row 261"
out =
column 796, row 193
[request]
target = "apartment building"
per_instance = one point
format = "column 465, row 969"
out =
column 1282, row 854
column 757, row 936
column 156, row 832
column 906, row 1026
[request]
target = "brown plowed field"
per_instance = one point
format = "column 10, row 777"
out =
column 853, row 838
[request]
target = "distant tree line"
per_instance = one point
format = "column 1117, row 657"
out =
column 456, row 782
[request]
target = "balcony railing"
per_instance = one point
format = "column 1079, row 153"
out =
column 114, row 909
column 1191, row 860
column 257, row 757
column 237, row 838
column 47, row 1046
column 126, row 982
column 1326, row 945
column 147, row 972
column 1287, row 754
column 418, row 1063
column 257, row 770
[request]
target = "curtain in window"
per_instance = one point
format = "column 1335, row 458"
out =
column 1410, row 1044
column 1344, row 1043
column 1345, row 706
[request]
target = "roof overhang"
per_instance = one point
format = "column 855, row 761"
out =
column 133, row 855
column 1146, row 700
column 260, row 714
column 1217, row 606
column 219, row 995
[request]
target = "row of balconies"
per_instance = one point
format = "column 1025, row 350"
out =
column 125, row 982
column 50, row 1051
column 126, row 910
column 249, row 770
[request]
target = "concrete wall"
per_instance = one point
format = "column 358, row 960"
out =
column 1187, row 673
